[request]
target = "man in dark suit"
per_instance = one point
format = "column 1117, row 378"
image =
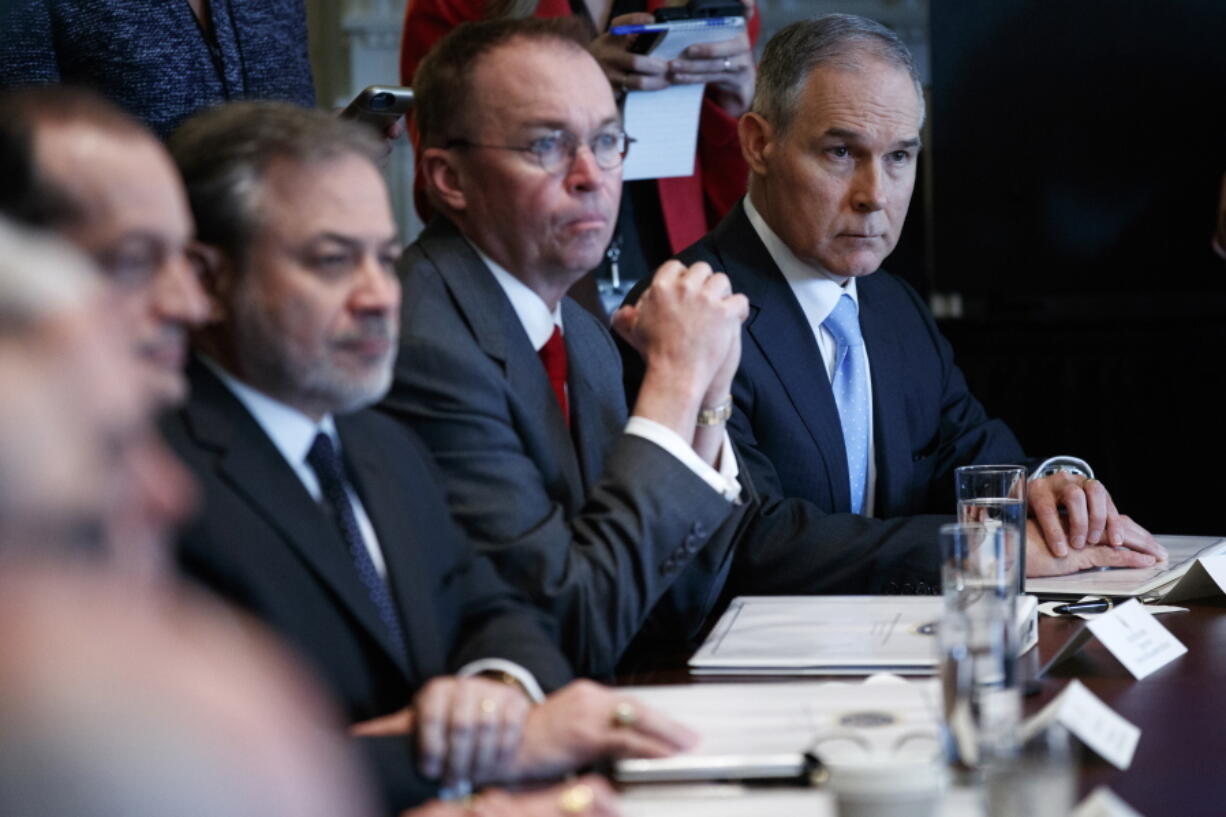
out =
column 848, row 395
column 326, row 520
column 515, row 389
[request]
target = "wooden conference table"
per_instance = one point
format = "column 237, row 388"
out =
column 1179, row 769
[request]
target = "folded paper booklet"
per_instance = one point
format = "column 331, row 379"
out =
column 1155, row 583
column 763, row 730
column 832, row 635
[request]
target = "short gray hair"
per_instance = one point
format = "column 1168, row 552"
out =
column 839, row 40
column 40, row 276
column 224, row 152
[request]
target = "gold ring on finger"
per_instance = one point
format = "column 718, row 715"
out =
column 577, row 799
column 625, row 715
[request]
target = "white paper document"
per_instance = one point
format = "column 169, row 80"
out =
column 1138, row 581
column 833, row 635
column 1102, row 802
column 760, row 730
column 1136, row 638
column 823, row 635
column 724, row 800
column 1094, row 723
column 664, row 123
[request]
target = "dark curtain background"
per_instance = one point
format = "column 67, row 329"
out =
column 1075, row 158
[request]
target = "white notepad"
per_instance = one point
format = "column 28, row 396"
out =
column 664, row 123
column 771, row 730
column 1139, row 581
column 833, row 635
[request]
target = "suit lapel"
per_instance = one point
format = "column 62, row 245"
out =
column 778, row 328
column 597, row 412
column 256, row 470
column 893, row 450
column 498, row 331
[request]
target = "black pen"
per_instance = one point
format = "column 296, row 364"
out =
column 1072, row 609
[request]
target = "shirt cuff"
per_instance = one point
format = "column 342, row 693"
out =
column 1073, row 465
column 724, row 481
column 510, row 668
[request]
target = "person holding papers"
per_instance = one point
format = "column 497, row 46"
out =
column 832, row 144
column 658, row 217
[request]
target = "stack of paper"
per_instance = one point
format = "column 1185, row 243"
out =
column 833, row 635
column 1153, row 581
column 759, row 730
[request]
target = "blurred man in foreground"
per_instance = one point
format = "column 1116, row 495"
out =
column 114, row 704
column 81, row 470
column 83, row 168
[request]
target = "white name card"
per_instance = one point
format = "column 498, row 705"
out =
column 1097, row 725
column 1103, row 802
column 1205, row 578
column 1136, row 638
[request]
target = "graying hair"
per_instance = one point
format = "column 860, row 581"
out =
column 40, row 276
column 839, row 40
column 224, row 152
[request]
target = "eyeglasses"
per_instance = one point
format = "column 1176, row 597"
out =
column 555, row 152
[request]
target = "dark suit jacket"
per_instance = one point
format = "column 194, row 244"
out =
column 596, row 526
column 264, row 543
column 786, row 424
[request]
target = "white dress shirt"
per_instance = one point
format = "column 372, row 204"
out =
column 539, row 321
column 293, row 433
column 818, row 292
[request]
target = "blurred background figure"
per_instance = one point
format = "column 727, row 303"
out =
column 160, row 61
column 120, row 706
column 658, row 217
column 81, row 470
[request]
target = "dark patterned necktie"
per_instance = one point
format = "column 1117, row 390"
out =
column 330, row 470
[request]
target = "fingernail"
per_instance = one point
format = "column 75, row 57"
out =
column 1117, row 539
column 1078, row 542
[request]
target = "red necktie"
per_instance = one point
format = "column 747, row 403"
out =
column 553, row 355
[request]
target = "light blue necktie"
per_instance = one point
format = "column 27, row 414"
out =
column 850, row 386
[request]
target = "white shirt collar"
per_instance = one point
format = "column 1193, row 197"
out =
column 291, row 431
column 532, row 310
column 817, row 290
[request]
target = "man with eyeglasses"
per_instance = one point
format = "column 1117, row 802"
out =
column 74, row 163
column 599, row 518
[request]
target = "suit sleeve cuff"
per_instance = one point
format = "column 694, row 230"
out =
column 1073, row 465
column 724, row 481
column 525, row 679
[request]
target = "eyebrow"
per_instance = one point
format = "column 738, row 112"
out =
column 855, row 136
column 554, row 124
column 351, row 242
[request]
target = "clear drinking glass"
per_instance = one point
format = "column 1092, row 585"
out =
column 996, row 494
column 978, row 640
column 1040, row 778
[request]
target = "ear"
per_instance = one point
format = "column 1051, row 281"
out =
column 444, row 182
column 757, row 138
column 217, row 276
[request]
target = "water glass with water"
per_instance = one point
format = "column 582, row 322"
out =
column 996, row 494
column 978, row 639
